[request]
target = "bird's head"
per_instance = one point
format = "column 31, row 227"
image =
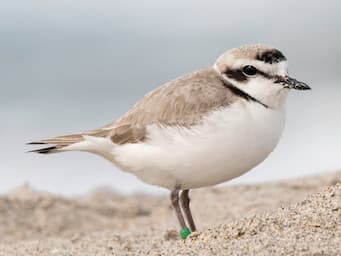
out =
column 260, row 71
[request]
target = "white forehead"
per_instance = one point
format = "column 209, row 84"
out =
column 248, row 51
column 246, row 55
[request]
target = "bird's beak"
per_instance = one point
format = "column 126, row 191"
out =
column 292, row 83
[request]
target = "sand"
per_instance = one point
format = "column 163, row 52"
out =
column 294, row 217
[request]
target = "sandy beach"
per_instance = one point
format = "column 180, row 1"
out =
column 294, row 217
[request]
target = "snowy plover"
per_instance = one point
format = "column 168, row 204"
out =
column 201, row 129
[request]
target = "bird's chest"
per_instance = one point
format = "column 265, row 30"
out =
column 245, row 132
column 228, row 143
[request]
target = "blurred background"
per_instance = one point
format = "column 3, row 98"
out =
column 68, row 66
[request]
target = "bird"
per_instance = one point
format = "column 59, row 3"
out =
column 201, row 129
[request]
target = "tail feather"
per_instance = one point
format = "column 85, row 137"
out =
column 58, row 142
column 68, row 139
column 61, row 142
column 35, row 143
column 47, row 150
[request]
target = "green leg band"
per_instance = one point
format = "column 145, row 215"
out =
column 184, row 233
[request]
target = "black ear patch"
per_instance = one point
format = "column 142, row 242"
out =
column 271, row 56
column 236, row 75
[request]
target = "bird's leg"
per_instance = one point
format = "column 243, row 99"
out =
column 187, row 210
column 184, row 232
column 175, row 203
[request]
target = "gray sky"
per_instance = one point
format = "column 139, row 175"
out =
column 68, row 66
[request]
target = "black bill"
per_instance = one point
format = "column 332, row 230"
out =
column 292, row 83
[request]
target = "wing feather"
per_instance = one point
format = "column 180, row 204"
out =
column 181, row 102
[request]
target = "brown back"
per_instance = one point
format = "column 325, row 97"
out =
column 182, row 102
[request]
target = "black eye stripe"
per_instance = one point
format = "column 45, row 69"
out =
column 236, row 74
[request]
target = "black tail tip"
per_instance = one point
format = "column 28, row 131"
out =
column 43, row 150
column 35, row 143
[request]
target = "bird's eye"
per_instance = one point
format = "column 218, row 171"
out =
column 249, row 70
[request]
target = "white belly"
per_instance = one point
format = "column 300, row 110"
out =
column 228, row 143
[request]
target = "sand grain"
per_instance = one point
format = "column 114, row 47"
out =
column 295, row 217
